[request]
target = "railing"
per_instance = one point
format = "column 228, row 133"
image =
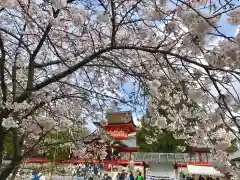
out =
column 166, row 157
column 4, row 164
column 161, row 157
column 235, row 155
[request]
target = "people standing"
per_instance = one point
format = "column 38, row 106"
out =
column 139, row 176
column 38, row 176
column 123, row 175
column 118, row 176
column 107, row 177
column 78, row 173
column 131, row 177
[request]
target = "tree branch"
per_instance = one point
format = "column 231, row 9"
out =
column 2, row 74
column 37, row 65
column 32, row 58
column 113, row 20
column 69, row 70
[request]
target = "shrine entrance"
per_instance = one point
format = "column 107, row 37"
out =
column 161, row 165
column 171, row 165
column 121, row 128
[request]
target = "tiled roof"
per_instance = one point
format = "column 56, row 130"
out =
column 115, row 118
column 122, row 117
column 130, row 142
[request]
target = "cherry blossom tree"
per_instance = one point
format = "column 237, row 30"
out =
column 63, row 63
column 170, row 120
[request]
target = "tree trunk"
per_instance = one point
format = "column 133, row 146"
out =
column 14, row 173
column 2, row 139
column 5, row 173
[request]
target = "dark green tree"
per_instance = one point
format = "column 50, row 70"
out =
column 164, row 141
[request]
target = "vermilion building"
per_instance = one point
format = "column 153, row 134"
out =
column 121, row 128
column 123, row 150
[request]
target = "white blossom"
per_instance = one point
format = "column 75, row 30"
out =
column 9, row 123
column 78, row 20
column 59, row 4
column 102, row 17
column 66, row 62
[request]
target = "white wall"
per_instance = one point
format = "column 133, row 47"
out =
column 162, row 169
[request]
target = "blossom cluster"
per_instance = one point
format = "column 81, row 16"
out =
column 66, row 62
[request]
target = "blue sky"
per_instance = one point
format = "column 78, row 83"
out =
column 225, row 28
column 126, row 89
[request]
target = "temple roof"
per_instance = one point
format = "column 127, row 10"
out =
column 115, row 118
column 130, row 142
column 123, row 117
column 119, row 125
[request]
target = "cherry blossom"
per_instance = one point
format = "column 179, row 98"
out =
column 64, row 63
column 9, row 123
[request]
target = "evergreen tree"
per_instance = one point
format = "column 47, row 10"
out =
column 161, row 142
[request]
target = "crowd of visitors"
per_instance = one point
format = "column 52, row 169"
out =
column 36, row 175
column 208, row 178
column 201, row 178
column 130, row 176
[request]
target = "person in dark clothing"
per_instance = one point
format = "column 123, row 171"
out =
column 118, row 176
column 131, row 177
column 122, row 176
column 106, row 177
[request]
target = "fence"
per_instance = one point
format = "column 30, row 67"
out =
column 161, row 157
column 151, row 177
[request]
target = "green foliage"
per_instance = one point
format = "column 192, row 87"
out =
column 165, row 142
column 59, row 143
column 8, row 146
column 233, row 148
column 57, row 146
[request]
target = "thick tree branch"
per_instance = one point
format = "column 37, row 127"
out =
column 2, row 73
column 70, row 70
column 17, row 38
column 42, row 65
column 113, row 20
column 32, row 58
